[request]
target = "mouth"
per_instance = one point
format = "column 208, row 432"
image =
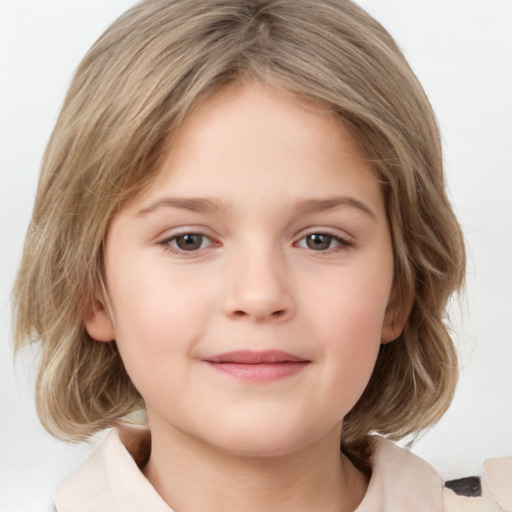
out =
column 257, row 366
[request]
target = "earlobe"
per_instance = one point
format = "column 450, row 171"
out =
column 98, row 323
column 395, row 317
column 391, row 330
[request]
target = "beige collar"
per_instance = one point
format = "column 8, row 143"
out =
column 111, row 481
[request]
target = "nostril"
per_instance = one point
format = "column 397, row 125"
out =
column 239, row 313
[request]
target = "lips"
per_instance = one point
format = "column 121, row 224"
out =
column 257, row 366
column 253, row 357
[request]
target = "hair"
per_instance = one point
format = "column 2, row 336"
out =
column 133, row 90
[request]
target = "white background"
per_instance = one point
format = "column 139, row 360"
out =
column 461, row 51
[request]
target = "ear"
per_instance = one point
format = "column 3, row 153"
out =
column 397, row 312
column 98, row 323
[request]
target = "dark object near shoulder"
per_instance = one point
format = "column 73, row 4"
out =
column 470, row 486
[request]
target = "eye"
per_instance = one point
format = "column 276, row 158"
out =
column 323, row 242
column 187, row 242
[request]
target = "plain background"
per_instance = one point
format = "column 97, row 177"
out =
column 462, row 53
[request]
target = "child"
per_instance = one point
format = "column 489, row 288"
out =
column 241, row 228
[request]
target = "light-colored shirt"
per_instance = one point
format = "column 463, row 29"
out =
column 111, row 480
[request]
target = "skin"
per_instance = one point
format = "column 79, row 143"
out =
column 291, row 251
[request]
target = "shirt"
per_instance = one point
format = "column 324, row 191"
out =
column 111, row 480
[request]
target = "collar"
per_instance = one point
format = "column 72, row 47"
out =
column 110, row 479
column 401, row 482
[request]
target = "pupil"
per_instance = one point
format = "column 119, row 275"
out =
column 318, row 242
column 189, row 242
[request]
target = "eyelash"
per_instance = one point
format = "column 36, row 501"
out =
column 342, row 244
column 167, row 243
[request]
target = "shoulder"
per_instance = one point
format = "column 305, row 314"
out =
column 491, row 492
column 402, row 482
column 110, row 480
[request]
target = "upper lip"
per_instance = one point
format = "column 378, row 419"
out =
column 255, row 357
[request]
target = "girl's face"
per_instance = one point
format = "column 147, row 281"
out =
column 250, row 285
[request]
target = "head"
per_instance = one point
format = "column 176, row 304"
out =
column 130, row 97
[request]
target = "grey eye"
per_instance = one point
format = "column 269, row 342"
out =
column 318, row 241
column 189, row 242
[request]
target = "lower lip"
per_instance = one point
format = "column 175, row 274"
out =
column 260, row 372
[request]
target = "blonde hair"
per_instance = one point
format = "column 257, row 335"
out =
column 133, row 90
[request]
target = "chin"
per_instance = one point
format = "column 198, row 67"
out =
column 264, row 441
column 262, row 449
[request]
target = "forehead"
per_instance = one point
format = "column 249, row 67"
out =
column 251, row 135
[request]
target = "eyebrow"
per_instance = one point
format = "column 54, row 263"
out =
column 211, row 205
column 332, row 203
column 195, row 204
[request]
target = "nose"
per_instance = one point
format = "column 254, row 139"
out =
column 259, row 288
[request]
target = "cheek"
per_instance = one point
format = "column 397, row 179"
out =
column 353, row 348
column 350, row 361
column 156, row 318
column 349, row 315
column 352, row 303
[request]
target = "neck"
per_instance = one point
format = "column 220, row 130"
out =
column 192, row 476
